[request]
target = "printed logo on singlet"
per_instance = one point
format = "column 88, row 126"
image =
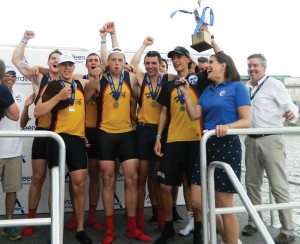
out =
column 222, row 93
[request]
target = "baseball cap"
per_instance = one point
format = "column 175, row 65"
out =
column 116, row 50
column 11, row 71
column 65, row 58
column 202, row 59
column 179, row 50
column 194, row 60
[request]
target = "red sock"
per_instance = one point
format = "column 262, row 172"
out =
column 73, row 223
column 134, row 232
column 28, row 230
column 110, row 235
column 160, row 218
column 140, row 219
column 92, row 220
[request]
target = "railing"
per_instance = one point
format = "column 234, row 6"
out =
column 211, row 211
column 57, row 189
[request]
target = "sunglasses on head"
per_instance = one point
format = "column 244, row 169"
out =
column 10, row 75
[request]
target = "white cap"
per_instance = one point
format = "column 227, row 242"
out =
column 65, row 58
column 116, row 50
column 194, row 59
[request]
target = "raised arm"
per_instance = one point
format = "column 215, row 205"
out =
column 214, row 44
column 138, row 55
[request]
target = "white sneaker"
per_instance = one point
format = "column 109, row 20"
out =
column 188, row 229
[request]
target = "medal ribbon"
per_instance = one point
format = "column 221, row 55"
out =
column 153, row 94
column 116, row 94
column 200, row 20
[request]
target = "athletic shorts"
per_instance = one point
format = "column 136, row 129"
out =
column 225, row 149
column 39, row 147
column 117, row 145
column 146, row 137
column 76, row 157
column 91, row 136
column 178, row 160
column 11, row 174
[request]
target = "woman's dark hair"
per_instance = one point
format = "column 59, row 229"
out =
column 166, row 62
column 231, row 72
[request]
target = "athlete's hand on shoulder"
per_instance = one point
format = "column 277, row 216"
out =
column 28, row 35
column 35, row 70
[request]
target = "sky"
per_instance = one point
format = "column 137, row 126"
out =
column 241, row 27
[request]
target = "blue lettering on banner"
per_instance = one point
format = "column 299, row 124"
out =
column 27, row 180
column 120, row 177
column 29, row 127
column 117, row 201
column 19, row 206
column 78, row 58
column 23, row 159
column 68, row 204
column 147, row 199
column 67, row 178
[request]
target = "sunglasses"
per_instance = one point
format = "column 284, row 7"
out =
column 10, row 75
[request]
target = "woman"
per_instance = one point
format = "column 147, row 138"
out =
column 223, row 105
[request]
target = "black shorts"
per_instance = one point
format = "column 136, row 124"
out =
column 179, row 159
column 225, row 149
column 76, row 157
column 91, row 136
column 146, row 136
column 39, row 147
column 117, row 145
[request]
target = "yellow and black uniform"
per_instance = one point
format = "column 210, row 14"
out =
column 182, row 148
column 91, row 126
column 69, row 123
column 39, row 144
column 148, row 117
column 116, row 137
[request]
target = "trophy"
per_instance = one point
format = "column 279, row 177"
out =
column 201, row 39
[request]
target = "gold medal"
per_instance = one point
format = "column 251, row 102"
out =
column 153, row 104
column 71, row 109
column 115, row 104
column 182, row 108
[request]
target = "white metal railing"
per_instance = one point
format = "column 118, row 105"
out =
column 57, row 189
column 203, row 173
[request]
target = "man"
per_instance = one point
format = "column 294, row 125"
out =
column 148, row 115
column 182, row 148
column 39, row 145
column 270, row 103
column 68, row 122
column 202, row 63
column 8, row 107
column 93, row 61
column 117, row 140
column 11, row 154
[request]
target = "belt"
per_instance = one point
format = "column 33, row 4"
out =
column 148, row 125
column 261, row 135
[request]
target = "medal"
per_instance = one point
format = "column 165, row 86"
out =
column 71, row 109
column 153, row 104
column 182, row 108
column 115, row 104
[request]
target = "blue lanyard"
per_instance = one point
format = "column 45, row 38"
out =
column 116, row 94
column 153, row 94
column 72, row 98
column 260, row 85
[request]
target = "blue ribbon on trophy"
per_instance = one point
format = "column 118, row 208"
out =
column 201, row 40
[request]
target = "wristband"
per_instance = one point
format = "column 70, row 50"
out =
column 113, row 32
column 103, row 42
column 24, row 41
column 158, row 137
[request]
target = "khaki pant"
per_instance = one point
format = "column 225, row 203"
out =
column 268, row 154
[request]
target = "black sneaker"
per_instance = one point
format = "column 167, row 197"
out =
column 165, row 235
column 249, row 230
column 83, row 238
column 176, row 217
column 284, row 239
column 154, row 220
